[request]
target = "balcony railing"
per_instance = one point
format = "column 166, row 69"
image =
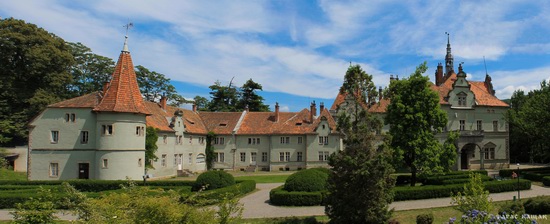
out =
column 471, row 133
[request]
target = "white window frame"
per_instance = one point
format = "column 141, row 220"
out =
column 287, row 156
column 84, row 137
column 163, row 160
column 462, row 125
column 105, row 163
column 107, row 129
column 281, row 156
column 495, row 126
column 243, row 156
column 201, row 158
column 54, row 137
column 264, row 156
column 479, row 124
column 299, row 156
column 300, row 140
column 285, row 140
column 54, row 170
column 253, row 156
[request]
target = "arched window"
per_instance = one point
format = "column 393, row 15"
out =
column 201, row 158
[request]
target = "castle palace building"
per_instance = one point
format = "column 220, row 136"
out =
column 472, row 109
column 101, row 135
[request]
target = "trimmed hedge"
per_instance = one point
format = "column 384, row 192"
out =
column 546, row 181
column 94, row 185
column 438, row 179
column 279, row 196
column 309, row 180
column 213, row 179
column 537, row 206
column 533, row 176
column 439, row 191
column 508, row 172
column 463, row 180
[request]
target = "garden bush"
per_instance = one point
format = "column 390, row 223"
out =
column 437, row 179
column 92, row 185
column 425, row 218
column 211, row 197
column 213, row 179
column 537, row 206
column 546, row 180
column 512, row 208
column 307, row 180
column 279, row 196
column 535, row 176
column 439, row 191
column 461, row 180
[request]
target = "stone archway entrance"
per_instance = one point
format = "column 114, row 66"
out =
column 466, row 153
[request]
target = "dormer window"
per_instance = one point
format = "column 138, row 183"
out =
column 461, row 99
column 298, row 123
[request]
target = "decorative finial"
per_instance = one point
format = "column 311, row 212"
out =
column 448, row 38
column 127, row 26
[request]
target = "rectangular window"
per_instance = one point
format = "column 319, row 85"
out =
column 190, row 139
column 165, row 139
column 287, row 156
column 54, row 169
column 220, row 157
column 281, row 156
column 219, row 141
column 462, row 125
column 73, row 118
column 285, row 140
column 175, row 159
column 495, row 125
column 179, row 139
column 54, row 138
column 479, row 125
column 201, row 140
column 323, row 140
column 180, row 159
column 67, row 117
column 300, row 140
column 299, row 155
column 258, row 141
column 84, row 137
column 107, row 129
column 264, row 156
column 323, row 156
column 489, row 153
column 243, row 156
column 253, row 156
column 253, row 141
column 190, row 158
column 163, row 160
column 140, row 163
column 138, row 130
column 105, row 164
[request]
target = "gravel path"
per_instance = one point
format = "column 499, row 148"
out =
column 256, row 205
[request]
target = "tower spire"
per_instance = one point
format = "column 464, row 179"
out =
column 125, row 47
column 449, row 67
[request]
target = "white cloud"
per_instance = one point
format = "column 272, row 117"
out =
column 526, row 80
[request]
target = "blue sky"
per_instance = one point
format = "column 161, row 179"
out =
column 300, row 50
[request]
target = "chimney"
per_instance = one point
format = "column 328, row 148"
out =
column 194, row 107
column 163, row 102
column 247, row 109
column 489, row 84
column 312, row 112
column 439, row 75
column 276, row 112
column 391, row 78
column 379, row 93
column 321, row 107
column 105, row 87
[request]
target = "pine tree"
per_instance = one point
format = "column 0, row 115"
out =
column 359, row 185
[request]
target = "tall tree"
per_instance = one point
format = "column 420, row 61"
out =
column 359, row 183
column 153, row 85
column 90, row 70
column 415, row 116
column 34, row 72
column 528, row 121
column 224, row 98
column 250, row 99
column 201, row 102
column 359, row 86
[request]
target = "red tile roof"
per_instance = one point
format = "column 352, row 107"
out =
column 161, row 119
column 86, row 101
column 289, row 123
column 221, row 123
column 123, row 93
column 482, row 96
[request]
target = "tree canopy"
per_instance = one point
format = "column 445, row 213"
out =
column 415, row 116
column 230, row 98
column 34, row 72
column 90, row 70
column 153, row 85
column 528, row 121
column 359, row 182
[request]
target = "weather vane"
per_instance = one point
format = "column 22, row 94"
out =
column 128, row 26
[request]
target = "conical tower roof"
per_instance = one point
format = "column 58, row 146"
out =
column 122, row 94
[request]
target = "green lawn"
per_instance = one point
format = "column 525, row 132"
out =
column 6, row 174
column 265, row 178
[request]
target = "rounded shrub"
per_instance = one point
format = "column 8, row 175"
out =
column 426, row 218
column 213, row 179
column 512, row 208
column 307, row 180
column 537, row 206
